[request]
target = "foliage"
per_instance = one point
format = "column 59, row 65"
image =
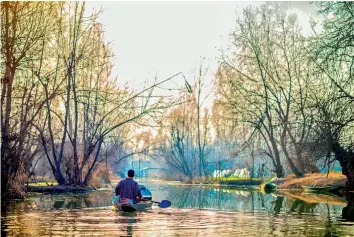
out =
column 184, row 135
column 234, row 178
column 59, row 99
column 332, row 53
column 284, row 101
column 290, row 93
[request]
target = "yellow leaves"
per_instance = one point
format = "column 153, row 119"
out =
column 51, row 43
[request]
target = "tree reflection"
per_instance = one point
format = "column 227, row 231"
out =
column 76, row 201
column 275, row 214
column 278, row 204
column 211, row 198
column 348, row 211
column 302, row 206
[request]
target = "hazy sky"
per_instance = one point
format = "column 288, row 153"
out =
column 171, row 37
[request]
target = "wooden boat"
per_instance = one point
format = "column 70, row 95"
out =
column 320, row 189
column 127, row 207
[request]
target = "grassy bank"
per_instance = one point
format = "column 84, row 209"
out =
column 51, row 186
column 238, row 181
column 224, row 181
column 315, row 179
column 287, row 183
column 43, row 183
column 57, row 189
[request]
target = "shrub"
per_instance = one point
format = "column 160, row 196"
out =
column 100, row 176
column 16, row 184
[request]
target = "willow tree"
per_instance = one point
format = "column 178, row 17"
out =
column 58, row 96
column 184, row 134
column 26, row 30
column 179, row 150
column 261, row 82
column 199, row 95
column 332, row 52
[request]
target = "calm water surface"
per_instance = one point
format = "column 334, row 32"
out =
column 195, row 211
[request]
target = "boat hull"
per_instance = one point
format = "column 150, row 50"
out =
column 126, row 207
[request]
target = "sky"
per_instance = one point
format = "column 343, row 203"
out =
column 164, row 38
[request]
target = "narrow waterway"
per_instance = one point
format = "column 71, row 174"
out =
column 195, row 211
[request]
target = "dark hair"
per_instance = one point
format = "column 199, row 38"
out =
column 131, row 173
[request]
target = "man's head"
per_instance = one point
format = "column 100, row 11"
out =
column 131, row 173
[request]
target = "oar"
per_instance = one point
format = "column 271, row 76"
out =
column 163, row 203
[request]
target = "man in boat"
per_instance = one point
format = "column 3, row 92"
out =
column 129, row 189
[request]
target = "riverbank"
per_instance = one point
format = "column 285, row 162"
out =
column 287, row 183
column 238, row 181
column 58, row 189
column 222, row 181
column 320, row 180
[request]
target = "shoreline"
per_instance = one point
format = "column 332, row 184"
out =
column 288, row 183
column 220, row 182
column 54, row 189
column 316, row 180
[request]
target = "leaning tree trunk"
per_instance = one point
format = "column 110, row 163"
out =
column 348, row 211
column 346, row 160
column 295, row 170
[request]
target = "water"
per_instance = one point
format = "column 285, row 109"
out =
column 195, row 211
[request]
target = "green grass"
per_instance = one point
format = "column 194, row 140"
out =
column 233, row 178
column 43, row 184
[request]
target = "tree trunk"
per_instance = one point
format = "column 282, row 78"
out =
column 346, row 160
column 348, row 211
column 287, row 156
column 59, row 175
column 4, row 180
column 7, row 161
column 278, row 168
column 291, row 163
column 252, row 170
column 89, row 173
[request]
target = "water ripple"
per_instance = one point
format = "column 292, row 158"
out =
column 195, row 212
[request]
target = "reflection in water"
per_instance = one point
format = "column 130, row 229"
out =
column 196, row 211
column 128, row 222
column 278, row 204
column 301, row 206
column 348, row 211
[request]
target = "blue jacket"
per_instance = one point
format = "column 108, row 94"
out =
column 128, row 188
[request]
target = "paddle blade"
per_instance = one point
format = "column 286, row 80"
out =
column 164, row 204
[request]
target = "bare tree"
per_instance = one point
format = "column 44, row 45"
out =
column 262, row 78
column 26, row 29
column 200, row 95
column 177, row 144
column 332, row 52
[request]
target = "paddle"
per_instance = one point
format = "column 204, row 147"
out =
column 163, row 203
